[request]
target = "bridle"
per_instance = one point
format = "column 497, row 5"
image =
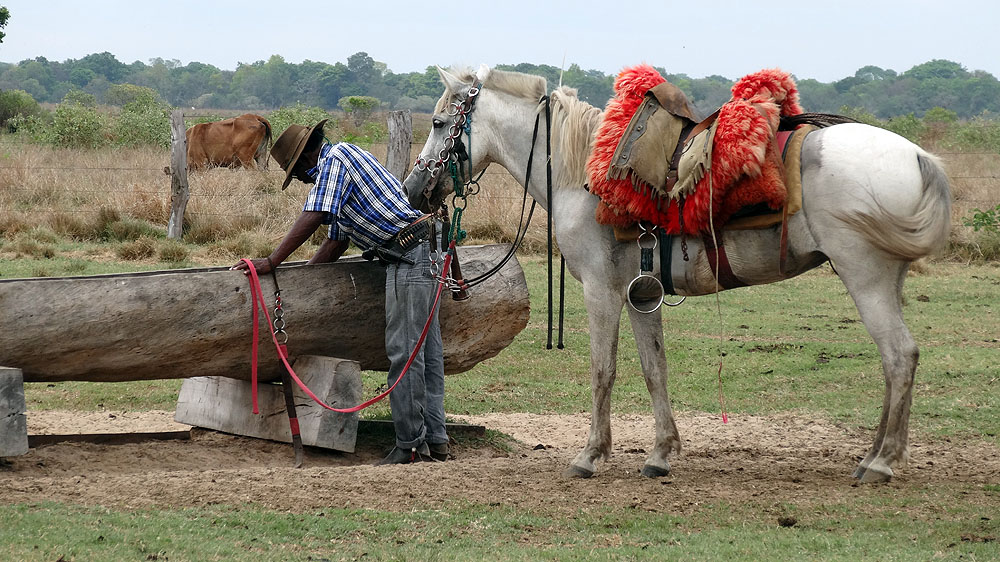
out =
column 453, row 152
column 455, row 156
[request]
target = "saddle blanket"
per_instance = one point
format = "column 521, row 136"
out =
column 755, row 217
column 647, row 165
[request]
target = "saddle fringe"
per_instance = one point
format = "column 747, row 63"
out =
column 745, row 168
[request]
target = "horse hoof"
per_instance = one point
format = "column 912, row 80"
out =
column 574, row 471
column 873, row 474
column 652, row 471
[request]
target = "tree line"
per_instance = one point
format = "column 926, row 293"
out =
column 275, row 83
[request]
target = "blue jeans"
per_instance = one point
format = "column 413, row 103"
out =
column 418, row 402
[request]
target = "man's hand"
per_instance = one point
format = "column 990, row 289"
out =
column 304, row 226
column 260, row 264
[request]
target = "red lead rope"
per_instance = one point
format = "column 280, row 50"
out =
column 257, row 296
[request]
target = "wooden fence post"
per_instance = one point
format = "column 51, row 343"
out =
column 179, row 191
column 400, row 136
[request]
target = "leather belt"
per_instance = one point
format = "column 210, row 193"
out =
column 409, row 237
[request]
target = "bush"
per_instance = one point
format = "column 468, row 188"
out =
column 133, row 229
column 68, row 224
column 16, row 103
column 173, row 251
column 981, row 133
column 111, row 227
column 365, row 135
column 37, row 128
column 139, row 249
column 359, row 108
column 26, row 246
column 124, row 95
column 297, row 114
column 143, row 126
column 982, row 246
column 243, row 245
column 908, row 126
column 988, row 220
column 77, row 123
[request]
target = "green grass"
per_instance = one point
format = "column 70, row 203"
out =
column 796, row 346
column 878, row 526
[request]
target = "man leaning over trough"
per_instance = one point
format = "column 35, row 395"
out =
column 362, row 202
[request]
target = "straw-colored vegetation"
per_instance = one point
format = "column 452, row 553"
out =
column 67, row 201
column 112, row 204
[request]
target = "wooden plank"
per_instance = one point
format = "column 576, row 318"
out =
column 224, row 404
column 197, row 322
column 108, row 438
column 385, row 429
column 179, row 190
column 13, row 422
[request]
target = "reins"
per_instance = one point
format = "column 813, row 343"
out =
column 458, row 157
column 257, row 298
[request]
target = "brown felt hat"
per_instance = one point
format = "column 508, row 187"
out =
column 289, row 147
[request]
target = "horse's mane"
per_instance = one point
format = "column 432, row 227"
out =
column 513, row 83
column 574, row 123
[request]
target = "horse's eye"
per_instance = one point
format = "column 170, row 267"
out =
column 438, row 122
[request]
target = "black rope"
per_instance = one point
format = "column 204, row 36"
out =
column 519, row 236
column 548, row 199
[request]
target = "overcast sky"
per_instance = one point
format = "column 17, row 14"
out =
column 826, row 40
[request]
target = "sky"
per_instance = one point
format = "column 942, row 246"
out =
column 826, row 40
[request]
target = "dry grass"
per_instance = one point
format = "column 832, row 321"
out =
column 123, row 195
column 975, row 184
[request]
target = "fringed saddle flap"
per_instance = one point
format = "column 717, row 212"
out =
column 645, row 151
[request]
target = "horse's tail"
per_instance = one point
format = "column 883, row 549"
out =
column 262, row 155
column 910, row 237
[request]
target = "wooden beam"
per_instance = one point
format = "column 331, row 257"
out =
column 108, row 438
column 179, row 191
column 400, row 138
column 224, row 404
column 13, row 423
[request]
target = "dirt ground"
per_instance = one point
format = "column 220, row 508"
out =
column 769, row 460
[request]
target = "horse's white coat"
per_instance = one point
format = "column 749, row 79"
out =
column 872, row 202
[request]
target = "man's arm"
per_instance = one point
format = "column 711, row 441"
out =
column 304, row 226
column 331, row 250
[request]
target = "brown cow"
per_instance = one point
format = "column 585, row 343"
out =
column 238, row 141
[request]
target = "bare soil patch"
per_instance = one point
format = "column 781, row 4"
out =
column 768, row 460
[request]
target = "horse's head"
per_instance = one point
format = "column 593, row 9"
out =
column 446, row 153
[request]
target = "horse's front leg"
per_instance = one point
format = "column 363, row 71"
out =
column 648, row 329
column 604, row 309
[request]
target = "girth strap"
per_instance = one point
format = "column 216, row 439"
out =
column 666, row 256
column 717, row 255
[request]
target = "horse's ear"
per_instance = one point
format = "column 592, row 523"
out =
column 451, row 82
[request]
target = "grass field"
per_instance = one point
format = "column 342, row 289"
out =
column 794, row 350
column 791, row 348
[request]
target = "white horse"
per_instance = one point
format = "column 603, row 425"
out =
column 872, row 203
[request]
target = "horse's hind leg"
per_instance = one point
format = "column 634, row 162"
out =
column 648, row 330
column 604, row 317
column 877, row 286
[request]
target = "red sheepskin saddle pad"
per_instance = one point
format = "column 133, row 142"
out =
column 742, row 164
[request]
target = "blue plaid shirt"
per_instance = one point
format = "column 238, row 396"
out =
column 363, row 202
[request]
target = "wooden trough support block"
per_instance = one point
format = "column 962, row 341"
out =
column 224, row 404
column 13, row 422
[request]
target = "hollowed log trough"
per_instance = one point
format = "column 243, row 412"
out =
column 197, row 322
